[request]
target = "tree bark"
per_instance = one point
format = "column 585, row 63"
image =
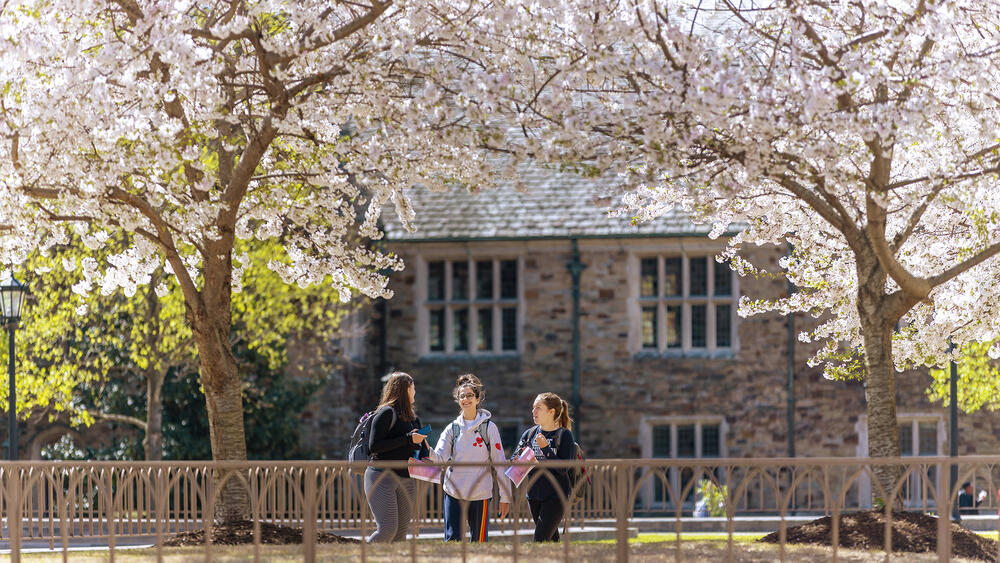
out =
column 220, row 378
column 877, row 325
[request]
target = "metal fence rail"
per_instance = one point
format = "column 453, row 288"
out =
column 60, row 503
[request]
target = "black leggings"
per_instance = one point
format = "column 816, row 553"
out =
column 547, row 515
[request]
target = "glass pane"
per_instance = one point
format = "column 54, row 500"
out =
column 437, row 330
column 699, row 275
column 649, row 278
column 484, row 279
column 685, row 440
column 508, row 279
column 723, row 327
column 672, row 277
column 661, row 441
column 723, row 279
column 674, row 326
column 508, row 331
column 710, row 441
column 906, row 439
column 460, row 324
column 435, row 281
column 698, row 326
column 485, row 332
column 460, row 280
column 649, row 327
column 927, row 432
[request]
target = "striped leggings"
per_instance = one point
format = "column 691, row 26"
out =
column 391, row 499
column 478, row 512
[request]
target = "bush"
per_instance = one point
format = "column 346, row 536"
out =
column 714, row 497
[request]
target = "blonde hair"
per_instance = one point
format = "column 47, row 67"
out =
column 555, row 402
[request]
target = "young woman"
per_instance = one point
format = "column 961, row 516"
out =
column 550, row 438
column 472, row 437
column 391, row 496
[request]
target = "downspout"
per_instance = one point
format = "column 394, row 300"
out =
column 575, row 268
column 791, row 369
column 953, row 430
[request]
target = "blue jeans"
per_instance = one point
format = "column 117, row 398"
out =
column 478, row 512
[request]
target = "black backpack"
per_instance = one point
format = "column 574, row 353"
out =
column 577, row 475
column 358, row 450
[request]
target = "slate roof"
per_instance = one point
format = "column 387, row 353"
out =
column 552, row 205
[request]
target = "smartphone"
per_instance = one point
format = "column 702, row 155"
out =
column 425, row 430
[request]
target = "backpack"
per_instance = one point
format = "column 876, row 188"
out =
column 361, row 438
column 576, row 475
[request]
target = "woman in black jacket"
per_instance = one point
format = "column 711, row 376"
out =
column 550, row 439
column 394, row 436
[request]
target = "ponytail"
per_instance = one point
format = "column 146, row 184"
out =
column 564, row 419
column 556, row 403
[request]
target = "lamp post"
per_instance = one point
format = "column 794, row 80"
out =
column 12, row 297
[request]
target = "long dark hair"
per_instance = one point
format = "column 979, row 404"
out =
column 472, row 382
column 553, row 401
column 396, row 394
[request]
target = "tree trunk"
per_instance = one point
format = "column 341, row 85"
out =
column 221, row 381
column 153, row 442
column 877, row 325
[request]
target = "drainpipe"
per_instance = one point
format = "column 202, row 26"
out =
column 575, row 268
column 953, row 430
column 791, row 370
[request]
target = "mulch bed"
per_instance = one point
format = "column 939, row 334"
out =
column 913, row 532
column 241, row 532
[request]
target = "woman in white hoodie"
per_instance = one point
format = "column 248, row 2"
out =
column 471, row 437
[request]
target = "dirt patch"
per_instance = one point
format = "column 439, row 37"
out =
column 241, row 532
column 912, row 532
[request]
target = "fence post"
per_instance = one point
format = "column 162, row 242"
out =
column 944, row 519
column 621, row 516
column 309, row 516
column 14, row 512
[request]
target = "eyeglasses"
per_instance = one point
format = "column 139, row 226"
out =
column 467, row 396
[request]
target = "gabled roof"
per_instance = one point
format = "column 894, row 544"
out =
column 551, row 204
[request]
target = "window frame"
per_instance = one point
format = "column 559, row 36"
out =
column 472, row 303
column 646, row 426
column 915, row 495
column 639, row 303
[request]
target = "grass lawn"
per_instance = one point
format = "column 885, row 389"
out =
column 699, row 547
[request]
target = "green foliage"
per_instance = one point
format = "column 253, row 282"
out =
column 67, row 341
column 272, row 402
column 714, row 496
column 978, row 380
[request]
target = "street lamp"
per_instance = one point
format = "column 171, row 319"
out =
column 13, row 294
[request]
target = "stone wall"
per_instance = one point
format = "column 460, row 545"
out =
column 619, row 389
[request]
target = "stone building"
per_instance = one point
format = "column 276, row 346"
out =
column 645, row 342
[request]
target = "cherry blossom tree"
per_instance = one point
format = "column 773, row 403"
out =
column 195, row 125
column 865, row 134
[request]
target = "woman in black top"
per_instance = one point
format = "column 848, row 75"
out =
column 550, row 439
column 394, row 436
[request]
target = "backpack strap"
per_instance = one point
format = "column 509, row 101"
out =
column 559, row 437
column 489, row 450
column 454, row 440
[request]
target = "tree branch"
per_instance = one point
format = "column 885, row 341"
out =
column 112, row 417
column 962, row 267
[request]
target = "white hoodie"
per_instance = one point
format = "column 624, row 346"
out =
column 472, row 483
